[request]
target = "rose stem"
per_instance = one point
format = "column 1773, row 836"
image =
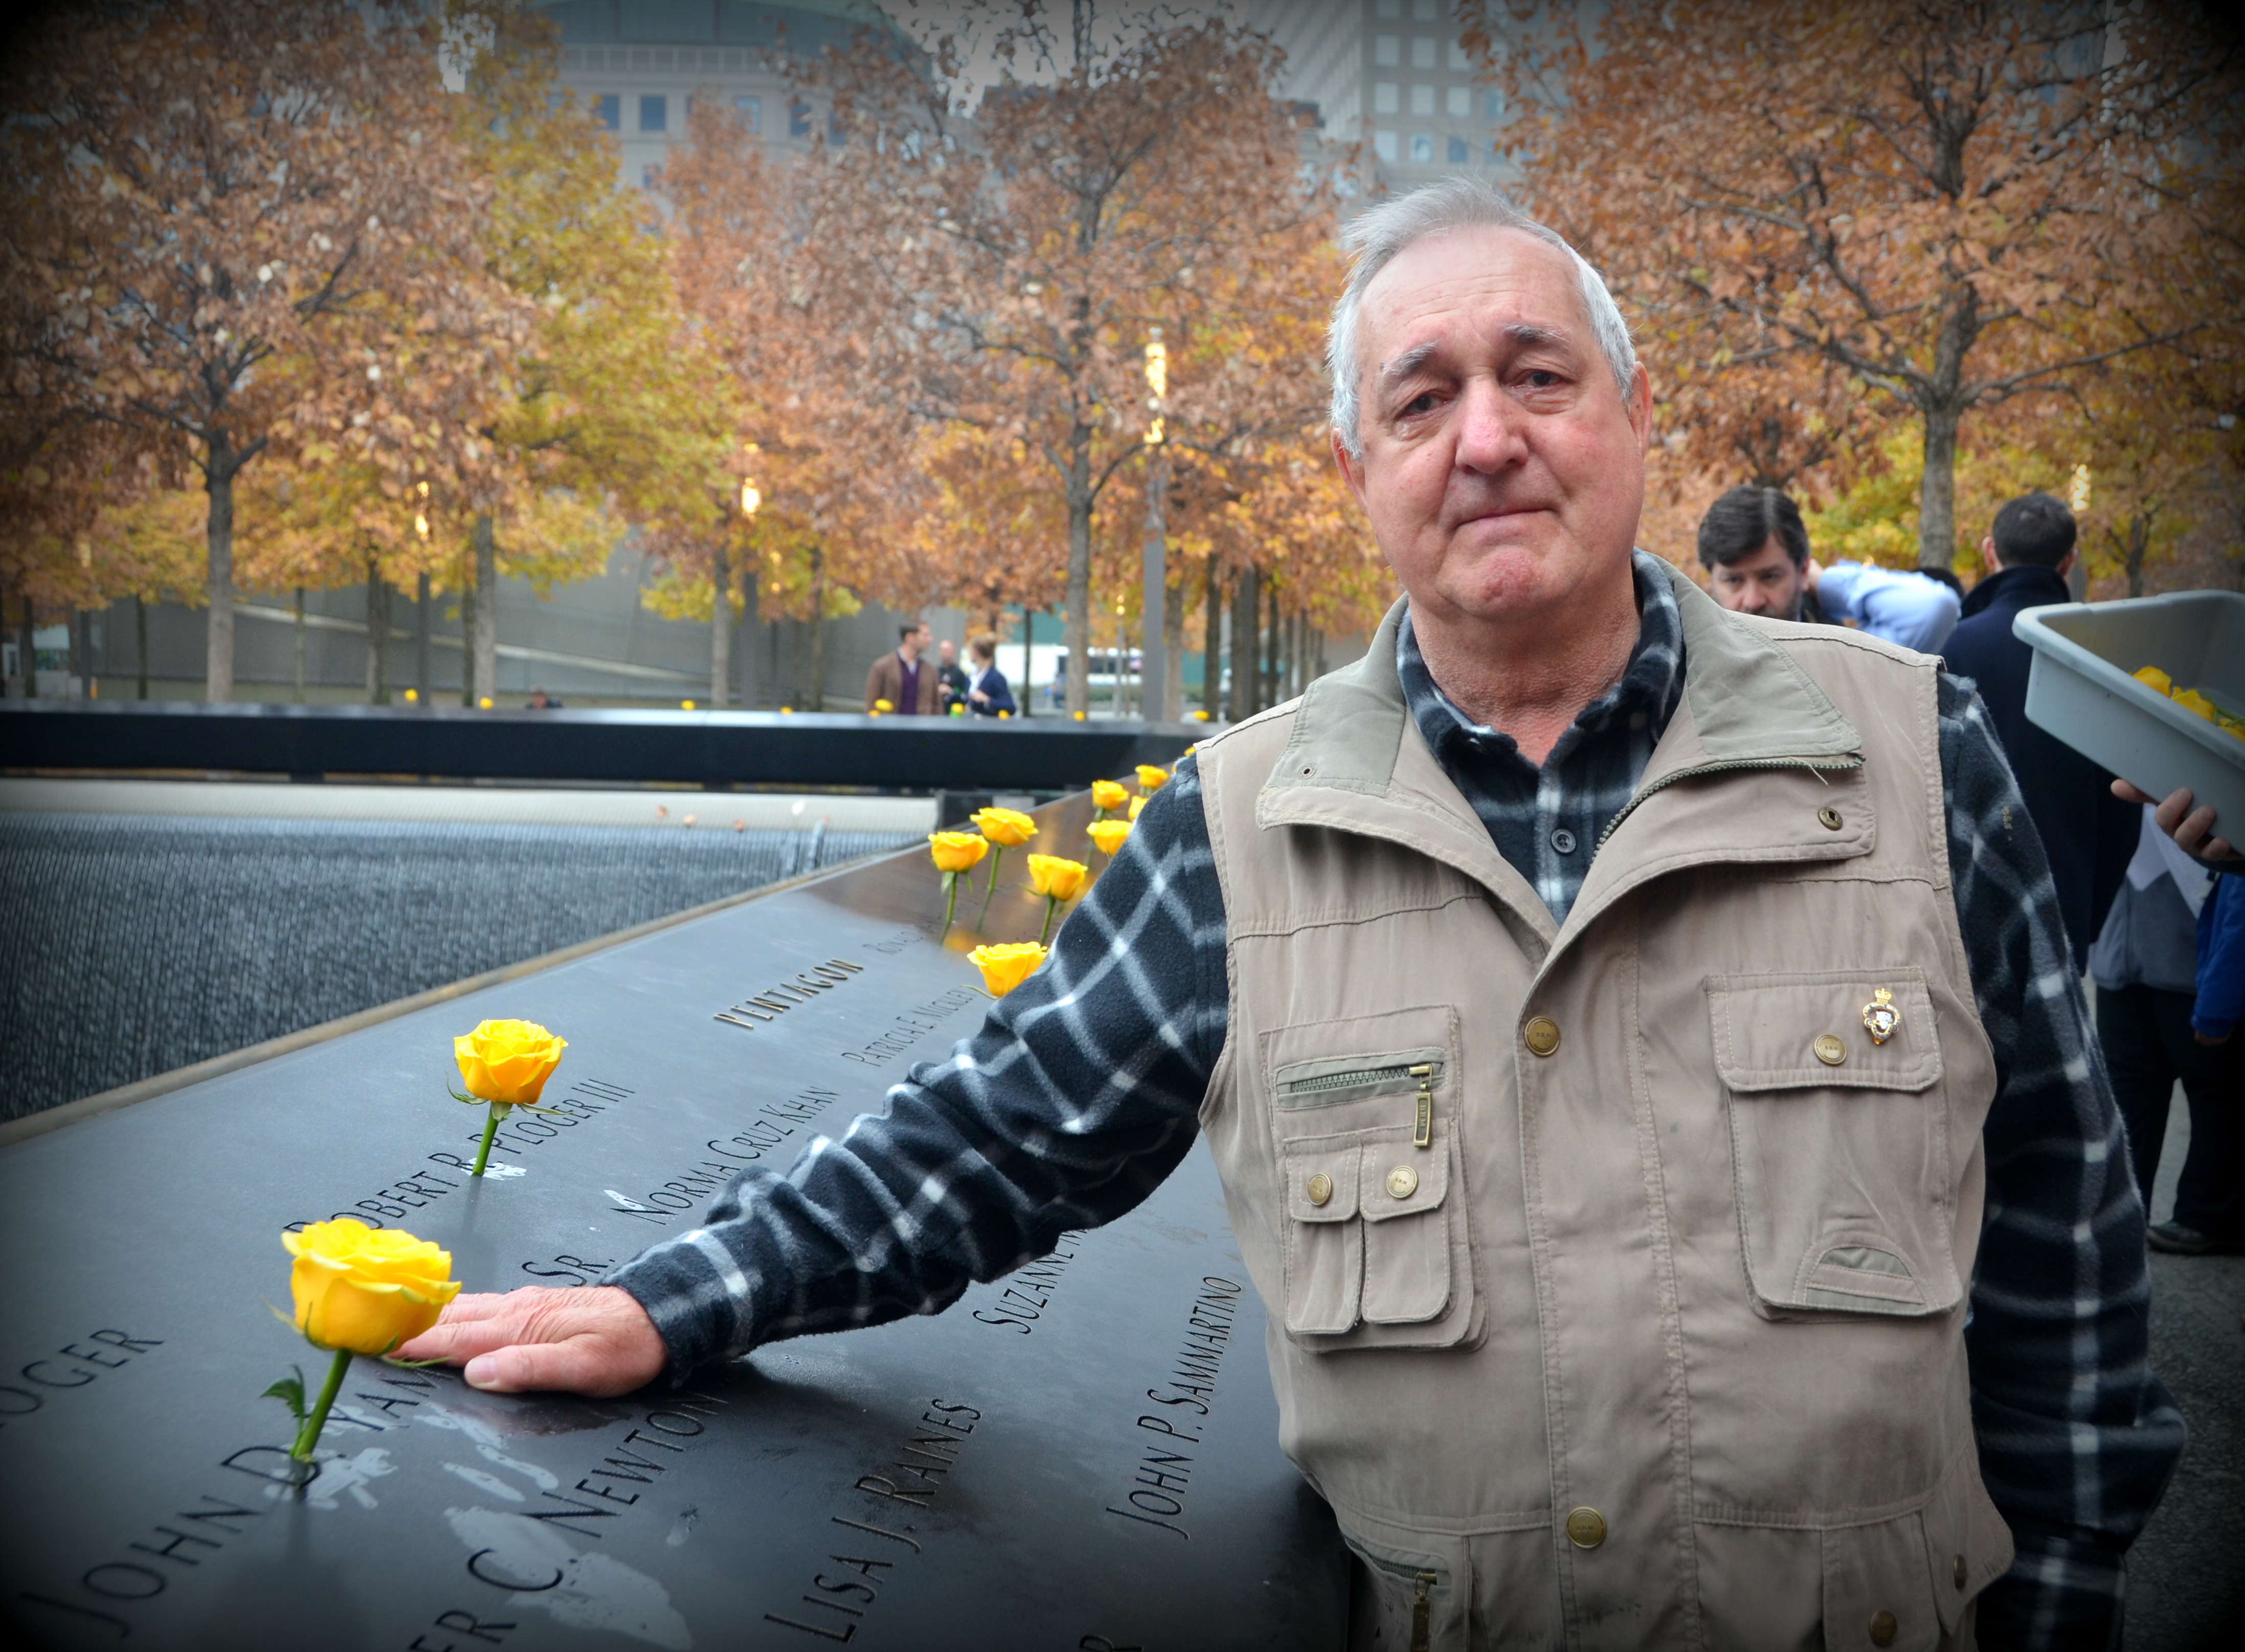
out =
column 997, row 853
column 491, row 1129
column 950, row 900
column 308, row 1436
column 1051, row 906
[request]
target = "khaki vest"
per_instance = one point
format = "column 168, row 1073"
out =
column 1605, row 1310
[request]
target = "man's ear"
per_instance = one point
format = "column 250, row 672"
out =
column 1639, row 402
column 1352, row 470
column 2066, row 567
column 1988, row 558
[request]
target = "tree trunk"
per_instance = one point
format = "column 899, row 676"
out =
column 140, row 640
column 421, row 635
column 2139, row 538
column 217, row 542
column 1076, row 633
column 748, row 623
column 1173, row 649
column 1246, row 606
column 1154, row 608
column 720, row 627
column 1937, row 496
column 1273, row 643
column 467, row 632
column 811, row 650
column 1028, row 656
column 1211, row 639
column 74, row 661
column 377, row 635
column 486, row 642
column 297, row 626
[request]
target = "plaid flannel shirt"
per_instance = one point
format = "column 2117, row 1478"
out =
column 1081, row 1093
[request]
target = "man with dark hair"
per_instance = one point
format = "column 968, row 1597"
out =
column 2087, row 832
column 1755, row 549
column 904, row 680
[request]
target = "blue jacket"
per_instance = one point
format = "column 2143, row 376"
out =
column 994, row 685
column 1908, row 609
column 2220, row 958
column 2087, row 834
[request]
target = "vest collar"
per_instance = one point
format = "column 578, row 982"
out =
column 1355, row 759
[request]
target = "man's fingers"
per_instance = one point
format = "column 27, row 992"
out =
column 476, row 1305
column 2128, row 793
column 589, row 1365
column 2171, row 810
column 464, row 1339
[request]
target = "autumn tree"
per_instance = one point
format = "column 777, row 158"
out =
column 1015, row 263
column 253, row 212
column 1951, row 204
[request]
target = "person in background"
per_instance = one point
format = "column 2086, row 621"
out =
column 2087, row 832
column 906, row 679
column 1916, row 609
column 2170, row 971
column 950, row 680
column 541, row 701
column 1755, row 549
column 986, row 693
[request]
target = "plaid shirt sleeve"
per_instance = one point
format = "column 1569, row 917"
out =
column 1079, row 1095
column 2076, row 1436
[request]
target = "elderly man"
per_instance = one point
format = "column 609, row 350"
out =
column 1639, row 1049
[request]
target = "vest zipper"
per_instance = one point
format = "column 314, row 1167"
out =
column 1422, row 1134
column 1838, row 766
column 1423, row 1072
column 1422, row 1613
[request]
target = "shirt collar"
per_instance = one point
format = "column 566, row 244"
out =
column 1650, row 683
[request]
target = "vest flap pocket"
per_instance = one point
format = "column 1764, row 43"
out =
column 1324, row 1243
column 1406, row 1230
column 1859, row 1029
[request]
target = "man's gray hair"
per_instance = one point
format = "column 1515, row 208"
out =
column 1380, row 233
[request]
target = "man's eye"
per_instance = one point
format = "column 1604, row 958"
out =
column 1422, row 403
column 1540, row 379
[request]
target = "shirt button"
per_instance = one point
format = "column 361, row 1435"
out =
column 1540, row 1035
column 1586, row 1528
column 1563, row 840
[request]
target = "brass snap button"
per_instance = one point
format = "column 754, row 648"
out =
column 1956, row 1570
column 1541, row 1035
column 1586, row 1528
column 1830, row 817
column 1320, row 1188
column 1830, row 1050
column 1402, row 1182
column 1883, row 1629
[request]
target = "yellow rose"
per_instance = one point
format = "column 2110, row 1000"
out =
column 1006, row 827
column 1060, row 880
column 957, row 851
column 1137, row 804
column 1110, row 834
column 880, row 706
column 1004, row 966
column 366, row 1289
column 507, row 1062
column 1107, row 794
column 1150, row 777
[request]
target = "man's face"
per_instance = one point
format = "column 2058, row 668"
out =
column 947, row 651
column 919, row 641
column 1503, row 469
column 1767, row 581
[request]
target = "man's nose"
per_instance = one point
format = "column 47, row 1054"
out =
column 1489, row 430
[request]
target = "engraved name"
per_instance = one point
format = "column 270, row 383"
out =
column 1164, row 1472
column 774, row 1002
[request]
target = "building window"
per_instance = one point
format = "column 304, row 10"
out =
column 1422, row 100
column 1388, row 8
column 750, row 111
column 1422, row 52
column 1459, row 100
column 1384, row 93
column 612, row 111
column 1422, row 149
column 1492, row 105
column 1459, row 154
column 1387, row 49
column 647, row 176
column 1383, row 145
column 1423, row 10
column 653, row 114
column 798, row 120
column 1460, row 63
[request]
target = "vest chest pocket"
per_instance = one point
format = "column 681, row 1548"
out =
column 1839, row 1141
column 1375, row 1249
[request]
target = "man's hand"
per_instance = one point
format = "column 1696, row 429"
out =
column 2191, row 829
column 587, row 1339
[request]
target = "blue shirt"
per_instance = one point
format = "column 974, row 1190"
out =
column 1907, row 608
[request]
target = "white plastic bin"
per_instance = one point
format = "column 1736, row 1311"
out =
column 2081, row 689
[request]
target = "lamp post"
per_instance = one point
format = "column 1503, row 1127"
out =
column 1154, row 675
column 721, row 608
